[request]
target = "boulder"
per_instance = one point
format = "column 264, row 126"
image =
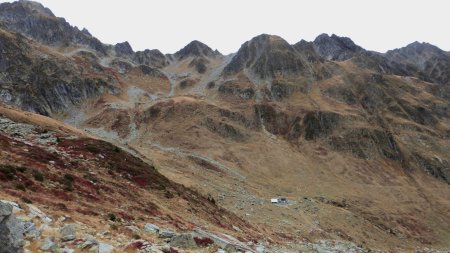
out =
column 48, row 245
column 133, row 229
column 166, row 233
column 105, row 248
column 36, row 212
column 151, row 228
column 89, row 241
column 227, row 242
column 67, row 233
column 11, row 230
column 184, row 241
column 67, row 250
column 16, row 207
column 30, row 230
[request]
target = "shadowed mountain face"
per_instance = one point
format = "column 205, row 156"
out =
column 267, row 56
column 352, row 136
column 39, row 23
column 422, row 60
column 336, row 48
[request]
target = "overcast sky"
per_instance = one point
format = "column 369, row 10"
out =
column 169, row 25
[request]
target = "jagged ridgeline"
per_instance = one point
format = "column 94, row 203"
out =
column 357, row 141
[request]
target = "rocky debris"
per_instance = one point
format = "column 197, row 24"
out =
column 105, row 248
column 184, row 241
column 327, row 246
column 67, row 232
column 196, row 49
column 151, row 228
column 48, row 244
column 11, row 230
column 336, row 48
column 165, row 233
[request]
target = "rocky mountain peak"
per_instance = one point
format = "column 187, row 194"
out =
column 152, row 57
column 306, row 48
column 195, row 48
column 266, row 55
column 30, row 6
column 422, row 60
column 123, row 49
column 335, row 48
column 37, row 22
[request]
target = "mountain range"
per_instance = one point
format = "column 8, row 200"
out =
column 357, row 140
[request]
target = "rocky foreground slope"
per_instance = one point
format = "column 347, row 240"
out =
column 358, row 141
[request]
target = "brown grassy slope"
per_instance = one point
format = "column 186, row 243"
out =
column 89, row 178
column 355, row 151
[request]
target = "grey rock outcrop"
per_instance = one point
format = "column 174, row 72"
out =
column 336, row 48
column 184, row 241
column 11, row 230
column 151, row 228
column 67, row 233
column 123, row 49
column 152, row 58
column 165, row 233
column 105, row 248
column 48, row 244
column 30, row 230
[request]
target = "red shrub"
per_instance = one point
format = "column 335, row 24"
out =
column 203, row 242
column 126, row 216
column 171, row 250
column 140, row 180
column 61, row 195
column 137, row 245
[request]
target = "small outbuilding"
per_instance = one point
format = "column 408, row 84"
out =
column 279, row 200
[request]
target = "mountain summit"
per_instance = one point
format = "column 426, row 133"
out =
column 336, row 48
column 197, row 49
column 267, row 56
